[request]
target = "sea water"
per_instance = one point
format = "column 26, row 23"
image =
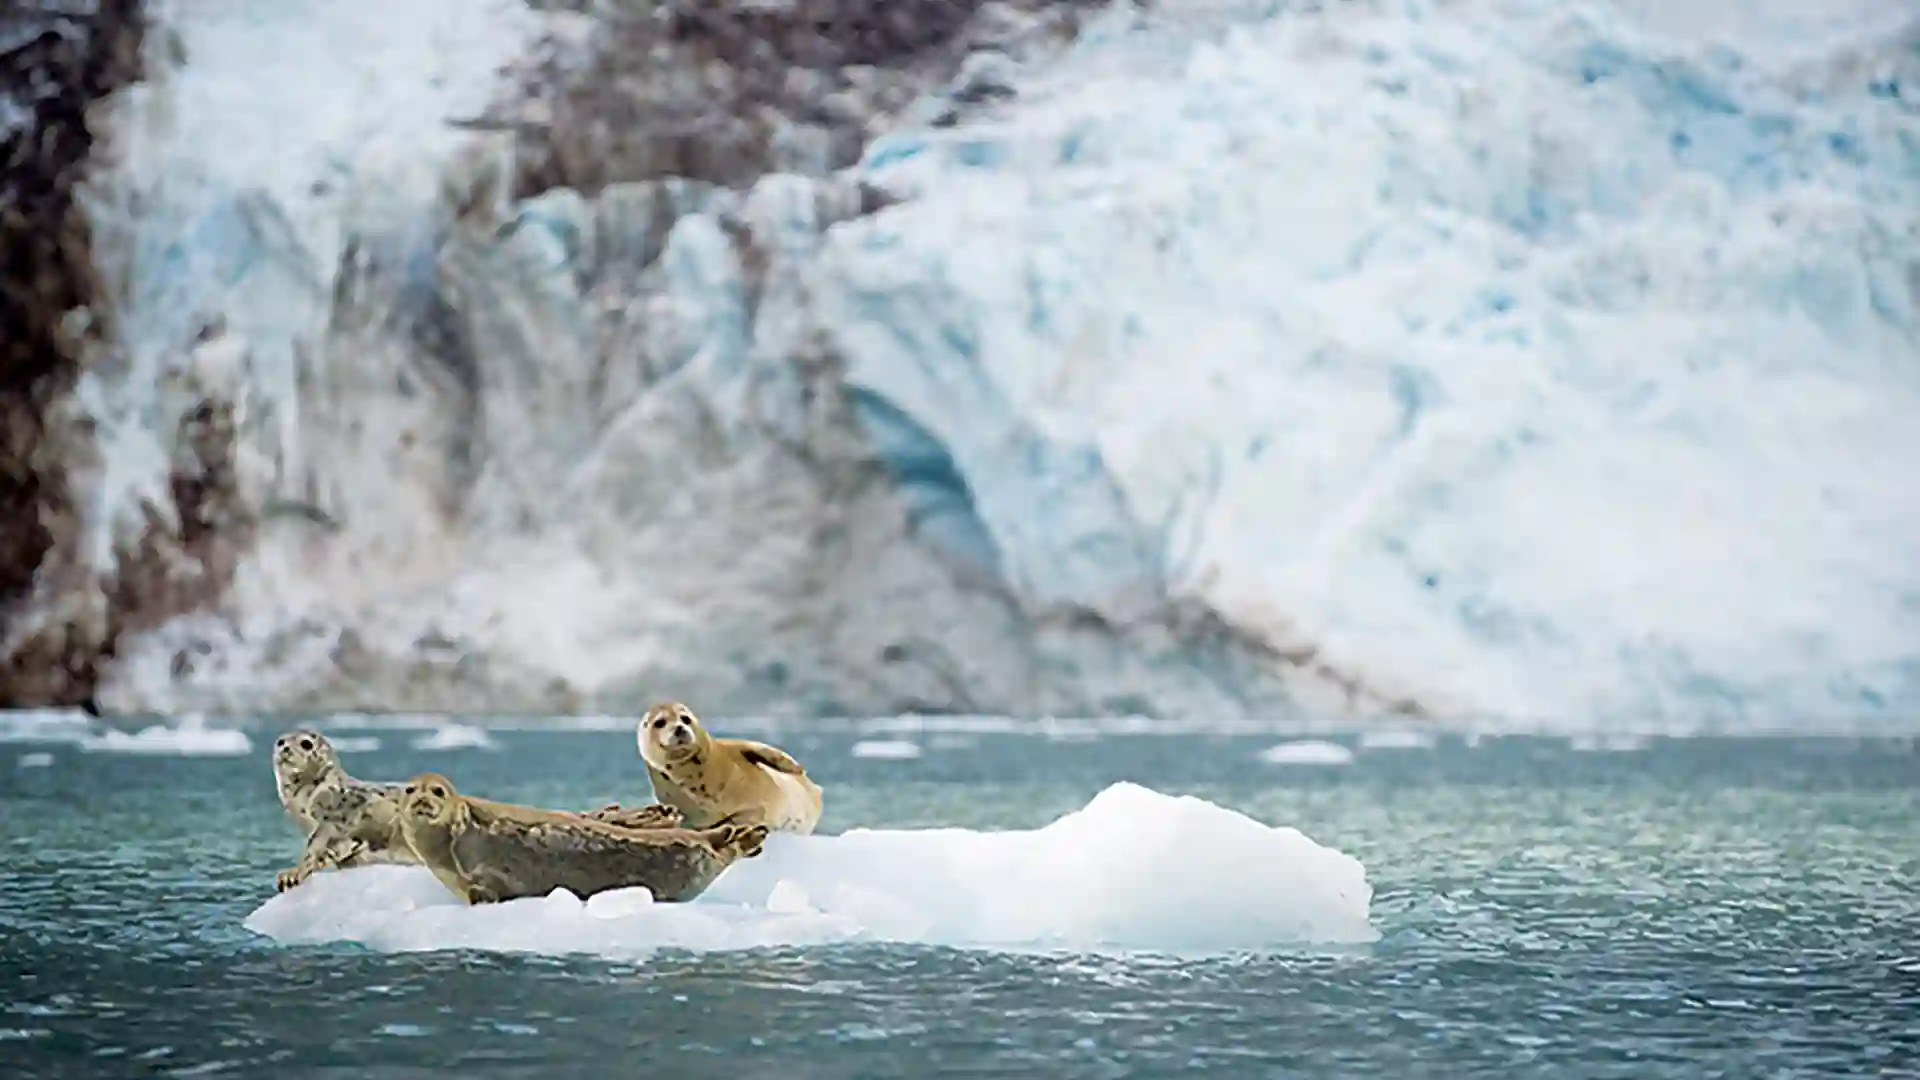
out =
column 1497, row 906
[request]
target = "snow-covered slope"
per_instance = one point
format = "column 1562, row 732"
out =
column 1545, row 360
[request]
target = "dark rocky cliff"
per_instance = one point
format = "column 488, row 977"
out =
column 56, row 60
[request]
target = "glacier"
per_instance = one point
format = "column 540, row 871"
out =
column 1516, row 358
column 1487, row 358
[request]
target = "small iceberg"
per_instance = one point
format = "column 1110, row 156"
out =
column 1397, row 739
column 1307, row 752
column 355, row 744
column 1133, row 870
column 191, row 738
column 455, row 737
column 44, row 725
column 887, row 749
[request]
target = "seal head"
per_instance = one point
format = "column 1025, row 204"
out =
column 346, row 821
column 302, row 758
column 714, row 781
column 430, row 812
column 429, row 797
column 669, row 734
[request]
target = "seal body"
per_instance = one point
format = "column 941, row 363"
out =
column 347, row 822
column 724, row 781
column 485, row 851
column 350, row 822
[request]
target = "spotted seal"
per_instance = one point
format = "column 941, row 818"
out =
column 486, row 852
column 351, row 822
column 347, row 821
column 723, row 781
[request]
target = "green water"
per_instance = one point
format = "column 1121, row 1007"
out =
column 1692, row 908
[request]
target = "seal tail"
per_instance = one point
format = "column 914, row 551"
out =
column 741, row 841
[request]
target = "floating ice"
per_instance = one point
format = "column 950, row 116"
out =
column 1134, row 870
column 1307, row 752
column 44, row 725
column 1604, row 743
column 455, row 737
column 616, row 904
column 37, row 760
column 888, row 749
column 1396, row 740
column 190, row 739
column 355, row 744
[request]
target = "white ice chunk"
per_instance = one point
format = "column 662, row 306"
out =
column 189, row 739
column 455, row 737
column 1307, row 752
column 889, row 749
column 1133, row 870
column 788, row 899
column 356, row 744
column 1391, row 739
column 43, row 725
column 619, row 903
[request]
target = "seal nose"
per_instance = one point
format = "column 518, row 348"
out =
column 682, row 735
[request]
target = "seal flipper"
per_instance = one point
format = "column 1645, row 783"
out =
column 326, row 849
column 736, row 841
column 653, row 816
column 772, row 757
column 467, row 848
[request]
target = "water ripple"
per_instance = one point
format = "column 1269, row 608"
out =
column 1743, row 911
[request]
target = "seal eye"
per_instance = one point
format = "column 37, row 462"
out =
column 659, row 723
column 306, row 744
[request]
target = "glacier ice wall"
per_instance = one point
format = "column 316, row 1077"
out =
column 1472, row 358
column 1539, row 360
column 568, row 451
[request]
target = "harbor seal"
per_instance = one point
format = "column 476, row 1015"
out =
column 352, row 822
column 486, row 852
column 723, row 781
column 347, row 821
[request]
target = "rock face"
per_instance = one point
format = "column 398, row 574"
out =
column 55, row 62
column 725, row 93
